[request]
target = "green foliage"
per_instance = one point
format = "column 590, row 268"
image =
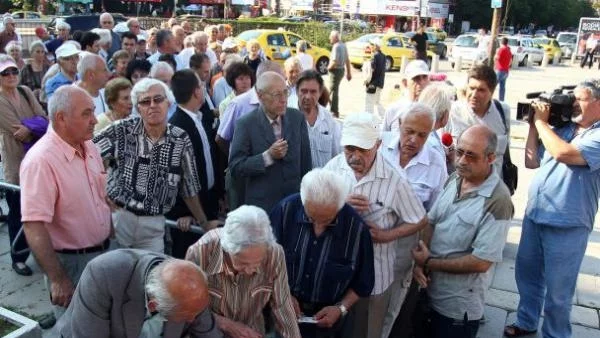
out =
column 26, row 5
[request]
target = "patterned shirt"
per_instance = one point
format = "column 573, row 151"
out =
column 241, row 297
column 393, row 202
column 321, row 269
column 145, row 177
column 324, row 138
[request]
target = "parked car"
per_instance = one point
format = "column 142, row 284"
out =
column 524, row 50
column 439, row 33
column 434, row 45
column 540, row 33
column 508, row 30
column 393, row 47
column 550, row 47
column 568, row 43
column 82, row 22
column 27, row 15
column 466, row 47
column 279, row 45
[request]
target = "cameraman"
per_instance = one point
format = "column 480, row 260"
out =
column 563, row 201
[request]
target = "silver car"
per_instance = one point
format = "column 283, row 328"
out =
column 466, row 47
column 568, row 43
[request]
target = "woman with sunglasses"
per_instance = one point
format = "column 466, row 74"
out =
column 33, row 73
column 17, row 103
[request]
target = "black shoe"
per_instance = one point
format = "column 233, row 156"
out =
column 47, row 321
column 22, row 269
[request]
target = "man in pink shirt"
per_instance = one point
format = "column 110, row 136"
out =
column 502, row 62
column 64, row 212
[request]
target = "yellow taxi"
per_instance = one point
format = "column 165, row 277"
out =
column 393, row 46
column 278, row 45
column 439, row 33
column 550, row 46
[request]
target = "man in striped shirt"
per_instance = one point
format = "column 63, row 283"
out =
column 245, row 269
column 387, row 203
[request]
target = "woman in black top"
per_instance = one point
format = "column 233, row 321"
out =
column 34, row 71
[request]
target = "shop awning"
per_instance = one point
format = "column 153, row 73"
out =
column 207, row 2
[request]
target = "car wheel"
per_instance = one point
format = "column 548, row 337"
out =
column 322, row 64
column 389, row 63
column 452, row 65
column 524, row 62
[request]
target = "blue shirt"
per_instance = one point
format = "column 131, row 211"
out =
column 322, row 269
column 55, row 82
column 53, row 45
column 564, row 195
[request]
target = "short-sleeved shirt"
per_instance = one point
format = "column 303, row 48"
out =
column 421, row 40
column 392, row 202
column 339, row 54
column 567, row 195
column 393, row 112
column 56, row 82
column 65, row 190
column 504, row 59
column 324, row 137
column 238, row 107
column 322, row 269
column 145, row 177
column 475, row 224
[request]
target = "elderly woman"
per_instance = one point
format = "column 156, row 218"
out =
column 137, row 70
column 245, row 269
column 150, row 162
column 292, row 68
column 17, row 103
column 118, row 99
column 15, row 50
column 105, row 41
column 119, row 63
column 306, row 60
column 33, row 72
column 68, row 57
column 253, row 58
column 240, row 77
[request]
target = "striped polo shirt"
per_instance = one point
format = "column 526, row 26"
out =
column 324, row 138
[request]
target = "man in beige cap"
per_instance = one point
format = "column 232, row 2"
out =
column 68, row 58
column 387, row 203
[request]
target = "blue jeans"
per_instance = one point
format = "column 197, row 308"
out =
column 502, row 76
column 548, row 262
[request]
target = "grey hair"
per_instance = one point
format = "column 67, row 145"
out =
column 301, row 46
column 230, row 60
column 335, row 33
column 291, row 62
column 145, row 84
column 62, row 99
column 104, row 15
column 7, row 19
column 161, row 66
column 13, row 44
column 157, row 289
column 87, row 61
column 130, row 21
column 245, row 227
column 592, row 86
column 188, row 41
column 105, row 36
column 268, row 66
column 438, row 97
column 323, row 187
column 265, row 80
column 420, row 109
column 63, row 24
column 36, row 44
column 197, row 36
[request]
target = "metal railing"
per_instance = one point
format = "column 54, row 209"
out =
column 8, row 186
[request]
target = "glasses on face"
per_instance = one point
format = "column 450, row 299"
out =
column 469, row 155
column 280, row 95
column 10, row 71
column 147, row 102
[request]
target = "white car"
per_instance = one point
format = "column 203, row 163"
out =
column 568, row 43
column 524, row 51
column 466, row 47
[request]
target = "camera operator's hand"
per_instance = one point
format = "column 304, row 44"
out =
column 542, row 111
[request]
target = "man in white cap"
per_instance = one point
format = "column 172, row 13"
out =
column 416, row 78
column 387, row 203
column 68, row 57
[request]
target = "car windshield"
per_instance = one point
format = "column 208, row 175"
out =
column 466, row 41
column 542, row 41
column 567, row 38
column 249, row 35
column 513, row 42
column 368, row 37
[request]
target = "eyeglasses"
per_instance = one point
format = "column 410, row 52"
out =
column 278, row 96
column 10, row 71
column 158, row 99
column 471, row 156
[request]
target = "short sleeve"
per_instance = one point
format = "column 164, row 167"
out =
column 225, row 130
column 410, row 207
column 493, row 229
column 39, row 191
column 589, row 146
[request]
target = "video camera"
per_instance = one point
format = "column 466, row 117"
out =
column 561, row 102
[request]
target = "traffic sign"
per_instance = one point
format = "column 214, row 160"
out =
column 496, row 3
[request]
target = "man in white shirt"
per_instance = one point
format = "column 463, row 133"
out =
column 292, row 69
column 200, row 42
column 166, row 44
column 92, row 71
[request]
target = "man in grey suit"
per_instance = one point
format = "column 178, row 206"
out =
column 133, row 293
column 270, row 149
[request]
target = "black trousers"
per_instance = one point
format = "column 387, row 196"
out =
column 444, row 327
column 588, row 53
column 13, row 199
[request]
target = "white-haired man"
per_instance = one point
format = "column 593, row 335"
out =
column 438, row 96
column 166, row 43
column 387, row 203
column 162, row 71
column 246, row 271
column 63, row 29
column 134, row 293
column 328, row 252
column 93, row 73
column 66, row 226
column 9, row 33
column 292, row 68
column 200, row 46
column 133, row 25
column 108, row 22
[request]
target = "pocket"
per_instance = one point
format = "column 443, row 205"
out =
column 466, row 227
column 336, row 271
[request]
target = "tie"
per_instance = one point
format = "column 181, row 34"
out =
column 276, row 129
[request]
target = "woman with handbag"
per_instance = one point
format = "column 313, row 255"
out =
column 375, row 76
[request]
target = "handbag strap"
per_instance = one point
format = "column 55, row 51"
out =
column 501, row 111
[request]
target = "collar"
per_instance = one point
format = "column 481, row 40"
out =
column 218, row 265
column 278, row 118
column 378, row 169
column 486, row 188
column 253, row 96
column 421, row 157
column 66, row 148
column 190, row 113
column 138, row 129
column 338, row 230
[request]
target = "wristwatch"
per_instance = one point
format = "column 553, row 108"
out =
column 343, row 309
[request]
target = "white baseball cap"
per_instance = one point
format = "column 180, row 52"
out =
column 360, row 130
column 416, row 68
column 66, row 50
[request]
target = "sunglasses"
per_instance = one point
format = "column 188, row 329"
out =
column 10, row 71
column 148, row 101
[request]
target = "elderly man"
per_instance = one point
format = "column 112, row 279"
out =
column 323, row 131
column 385, row 200
column 66, row 226
column 179, row 35
column 150, row 164
column 328, row 252
column 133, row 293
column 134, row 26
column 68, row 59
column 189, row 94
column 425, row 170
column 187, row 27
column 63, row 30
column 270, row 145
column 108, row 22
column 165, row 44
column 292, row 68
column 481, row 108
column 438, row 97
column 200, row 41
column 415, row 79
column 246, row 271
column 92, row 71
column 467, row 230
column 9, row 33
column 339, row 61
column 162, row 71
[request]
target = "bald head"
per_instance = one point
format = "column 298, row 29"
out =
column 268, row 80
column 269, row 66
column 107, row 21
column 480, row 132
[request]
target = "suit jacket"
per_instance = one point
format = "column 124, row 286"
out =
column 110, row 301
column 208, row 198
column 265, row 186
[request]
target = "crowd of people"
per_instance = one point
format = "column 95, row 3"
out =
column 312, row 227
